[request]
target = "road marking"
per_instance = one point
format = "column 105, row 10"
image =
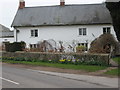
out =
column 9, row 81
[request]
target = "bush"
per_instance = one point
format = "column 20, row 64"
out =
column 16, row 46
column 92, row 59
column 103, row 44
column 80, row 49
column 62, row 61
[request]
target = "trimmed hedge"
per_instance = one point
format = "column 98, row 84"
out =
column 73, row 58
column 15, row 46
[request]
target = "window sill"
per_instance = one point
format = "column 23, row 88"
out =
column 33, row 37
column 82, row 35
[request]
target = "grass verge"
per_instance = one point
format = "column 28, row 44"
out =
column 88, row 68
column 117, row 60
column 114, row 72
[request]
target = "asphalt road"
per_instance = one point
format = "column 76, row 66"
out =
column 14, row 77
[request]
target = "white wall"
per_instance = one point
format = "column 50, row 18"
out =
column 61, row 33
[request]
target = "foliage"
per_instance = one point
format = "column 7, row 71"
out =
column 103, row 44
column 114, row 8
column 62, row 61
column 117, row 60
column 115, row 72
column 80, row 48
column 15, row 46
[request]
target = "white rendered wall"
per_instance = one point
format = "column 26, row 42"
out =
column 67, row 34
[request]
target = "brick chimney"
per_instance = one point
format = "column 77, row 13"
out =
column 62, row 2
column 21, row 4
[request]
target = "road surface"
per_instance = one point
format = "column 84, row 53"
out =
column 16, row 77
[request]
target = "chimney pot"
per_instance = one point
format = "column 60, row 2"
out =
column 21, row 4
column 62, row 2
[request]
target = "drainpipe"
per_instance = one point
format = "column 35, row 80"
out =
column 16, row 36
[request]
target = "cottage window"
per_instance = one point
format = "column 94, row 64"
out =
column 85, row 45
column 82, row 31
column 106, row 30
column 34, row 33
column 33, row 46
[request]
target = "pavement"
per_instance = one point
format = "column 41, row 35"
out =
column 16, row 77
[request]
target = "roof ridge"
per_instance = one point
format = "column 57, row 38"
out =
column 66, row 5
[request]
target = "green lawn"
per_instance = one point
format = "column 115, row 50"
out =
column 117, row 60
column 115, row 72
column 88, row 68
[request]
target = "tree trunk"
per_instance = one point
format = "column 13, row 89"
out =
column 114, row 8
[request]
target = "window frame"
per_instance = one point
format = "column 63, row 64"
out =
column 34, row 33
column 106, row 30
column 82, row 31
column 33, row 46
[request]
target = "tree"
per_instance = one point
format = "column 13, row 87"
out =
column 114, row 8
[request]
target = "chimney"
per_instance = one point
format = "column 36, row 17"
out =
column 21, row 4
column 62, row 2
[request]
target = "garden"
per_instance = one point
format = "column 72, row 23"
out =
column 48, row 55
column 63, row 64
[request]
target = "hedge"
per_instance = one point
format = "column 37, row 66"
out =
column 15, row 46
column 73, row 58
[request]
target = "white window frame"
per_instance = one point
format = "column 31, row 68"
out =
column 32, row 46
column 106, row 30
column 82, row 31
column 34, row 33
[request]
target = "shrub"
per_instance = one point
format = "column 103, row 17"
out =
column 103, row 44
column 16, row 46
column 80, row 48
column 63, row 61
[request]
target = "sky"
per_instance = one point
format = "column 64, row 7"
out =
column 8, row 8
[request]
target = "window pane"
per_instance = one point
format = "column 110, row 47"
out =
column 104, row 30
column 80, row 31
column 32, row 33
column 108, row 30
column 82, row 44
column 30, row 45
column 86, row 45
column 36, row 33
column 78, row 44
column 34, row 45
column 84, row 31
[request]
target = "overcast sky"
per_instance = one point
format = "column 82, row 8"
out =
column 8, row 8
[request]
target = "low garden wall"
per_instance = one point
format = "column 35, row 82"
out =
column 94, row 59
column 76, row 58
